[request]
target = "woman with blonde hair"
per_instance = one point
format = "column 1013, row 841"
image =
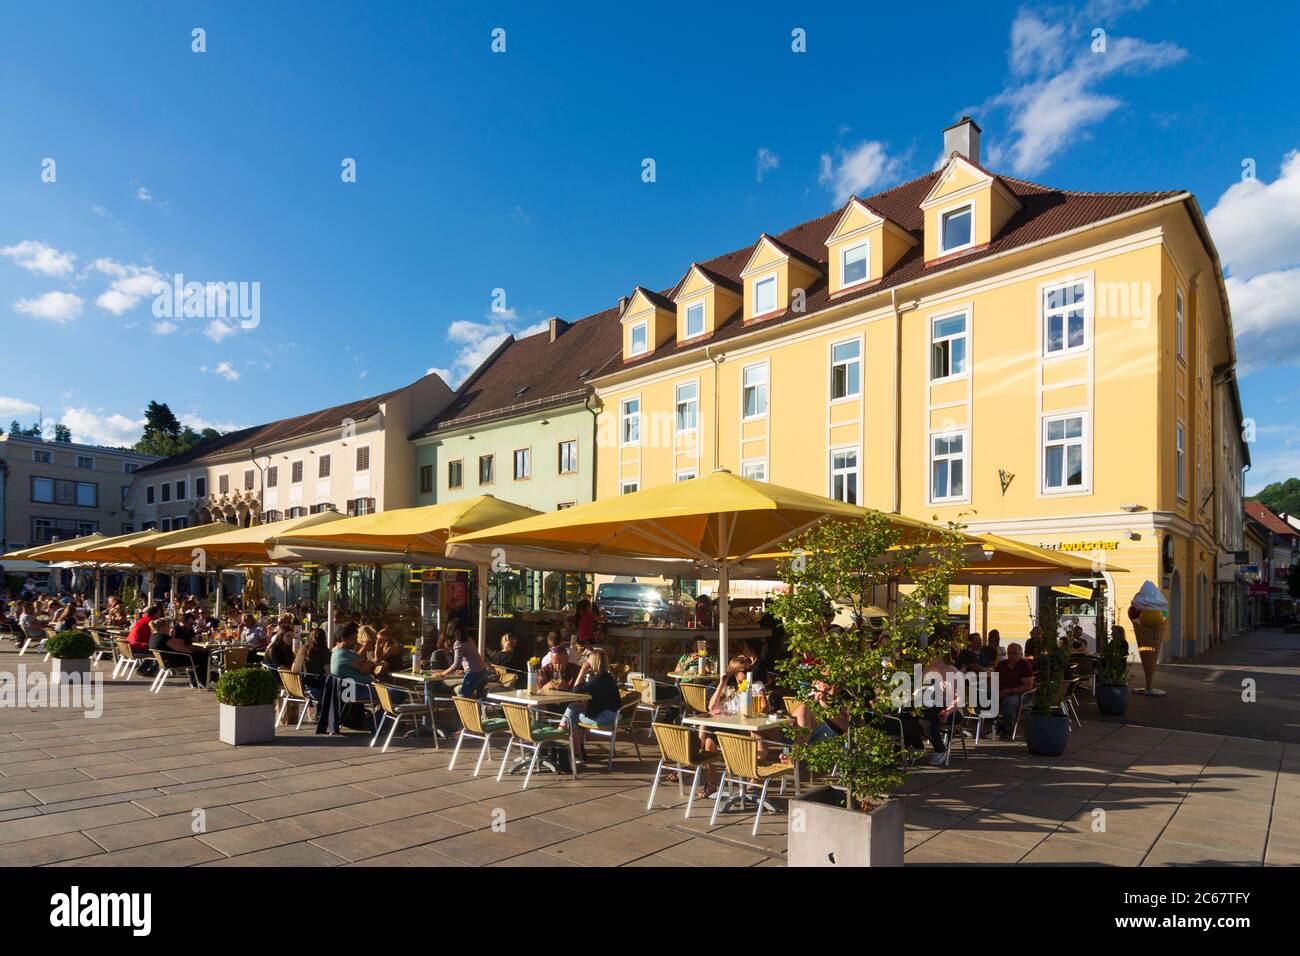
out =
column 601, row 710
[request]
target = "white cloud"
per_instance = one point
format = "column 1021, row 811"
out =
column 11, row 408
column 1053, row 98
column 198, row 423
column 143, row 194
column 226, row 371
column 477, row 340
column 864, row 169
column 218, row 330
column 131, row 283
column 1256, row 228
column 60, row 307
column 39, row 258
column 96, row 428
column 164, row 327
column 766, row 161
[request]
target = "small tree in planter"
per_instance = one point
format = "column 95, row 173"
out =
column 247, row 698
column 1112, row 676
column 1048, row 728
column 849, row 673
column 71, row 652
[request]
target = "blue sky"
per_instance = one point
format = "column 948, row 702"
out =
column 522, row 170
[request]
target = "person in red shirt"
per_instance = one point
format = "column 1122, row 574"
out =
column 138, row 637
column 1015, row 679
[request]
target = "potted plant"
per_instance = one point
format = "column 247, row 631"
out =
column 849, row 677
column 1048, row 729
column 247, row 698
column 71, row 652
column 1112, row 675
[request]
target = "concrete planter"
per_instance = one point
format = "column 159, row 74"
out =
column 1112, row 699
column 1047, row 734
column 830, row 835
column 62, row 668
column 247, row 725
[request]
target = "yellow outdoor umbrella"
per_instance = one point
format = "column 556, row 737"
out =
column 251, row 545
column 392, row 536
column 31, row 554
column 142, row 549
column 718, row 521
column 77, row 550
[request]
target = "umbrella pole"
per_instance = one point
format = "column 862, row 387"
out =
column 984, row 612
column 94, row 608
column 329, row 605
column 216, row 608
column 724, row 615
column 482, row 607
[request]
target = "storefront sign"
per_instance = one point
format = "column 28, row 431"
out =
column 1082, row 546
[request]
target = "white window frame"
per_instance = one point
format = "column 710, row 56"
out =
column 678, row 403
column 968, row 207
column 527, row 462
column 965, row 334
column 865, row 246
column 857, row 360
column 1180, row 460
column 42, row 456
column 686, row 319
column 623, row 416
column 150, row 494
column 767, row 391
column 776, row 289
column 833, row 472
column 130, row 467
column 629, row 486
column 644, row 327
column 357, row 454
column 560, row 456
column 963, row 457
column 1085, row 443
column 752, row 465
column 299, row 468
column 204, row 493
column 1180, row 324
column 89, row 458
column 1044, row 315
column 180, row 489
column 165, row 524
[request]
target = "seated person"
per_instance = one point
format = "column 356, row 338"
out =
column 1015, row 679
column 138, row 637
column 510, row 656
column 467, row 660
column 559, row 673
column 698, row 661
column 312, row 659
column 991, row 651
column 162, row 639
column 253, row 633
column 389, row 655
column 968, row 658
column 349, row 666
column 279, row 653
column 595, row 679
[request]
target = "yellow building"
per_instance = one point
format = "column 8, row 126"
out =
column 1043, row 364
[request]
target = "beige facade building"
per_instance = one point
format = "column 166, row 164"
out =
column 353, row 458
column 59, row 490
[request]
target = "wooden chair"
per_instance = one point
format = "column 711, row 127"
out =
column 530, row 736
column 626, row 715
column 680, row 751
column 294, row 691
column 696, row 697
column 742, row 766
column 791, row 704
column 169, row 663
column 504, row 676
column 475, row 726
column 128, row 659
column 391, row 710
column 32, row 635
column 645, row 691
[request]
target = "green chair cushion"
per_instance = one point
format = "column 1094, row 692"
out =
column 542, row 732
column 493, row 724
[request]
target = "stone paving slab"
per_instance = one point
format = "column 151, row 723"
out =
column 123, row 790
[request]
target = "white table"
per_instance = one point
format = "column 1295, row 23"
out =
column 733, row 723
column 427, row 679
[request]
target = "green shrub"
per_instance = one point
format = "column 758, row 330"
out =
column 70, row 645
column 1112, row 662
column 248, row 687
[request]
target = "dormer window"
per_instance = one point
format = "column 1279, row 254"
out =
column 694, row 319
column 765, row 295
column 854, row 264
column 640, row 339
column 957, row 230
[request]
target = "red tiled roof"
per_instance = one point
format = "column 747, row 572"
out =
column 1268, row 519
column 550, row 373
column 1046, row 212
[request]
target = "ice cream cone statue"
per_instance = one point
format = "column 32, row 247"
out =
column 1149, row 613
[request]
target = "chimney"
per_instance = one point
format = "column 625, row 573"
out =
column 557, row 325
column 622, row 304
column 963, row 137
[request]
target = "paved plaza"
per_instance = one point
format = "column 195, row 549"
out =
column 124, row 789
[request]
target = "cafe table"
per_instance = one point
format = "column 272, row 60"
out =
column 708, row 677
column 735, row 724
column 428, row 680
column 543, row 698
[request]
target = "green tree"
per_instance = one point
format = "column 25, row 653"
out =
column 1281, row 496
column 854, row 671
column 62, row 433
column 164, row 435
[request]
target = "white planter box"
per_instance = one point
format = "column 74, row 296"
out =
column 63, row 668
column 829, row 835
column 247, row 725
